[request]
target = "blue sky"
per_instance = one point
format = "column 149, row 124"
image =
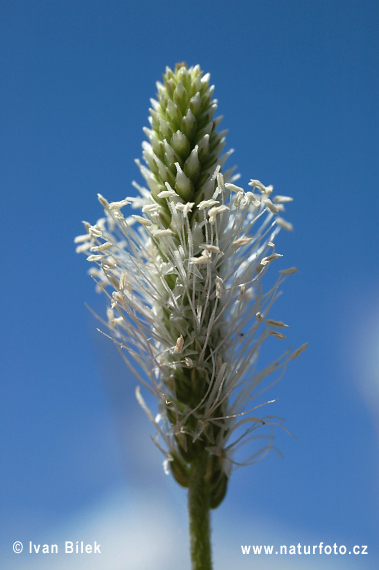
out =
column 298, row 86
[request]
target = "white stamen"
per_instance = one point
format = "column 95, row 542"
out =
column 253, row 199
column 142, row 220
column 242, row 241
column 103, row 201
column 284, row 224
column 122, row 282
column 95, row 232
column 288, row 271
column 162, row 233
column 263, row 189
column 102, row 247
column 213, row 212
column 233, row 187
column 83, row 247
column 207, row 204
column 267, row 202
column 179, row 345
column 210, row 247
column 119, row 205
column 299, row 350
column 185, row 208
column 150, row 208
column 277, row 334
column 200, row 260
column 282, row 199
column 168, row 194
column 266, row 260
column 80, row 239
column 219, row 285
column 277, row 324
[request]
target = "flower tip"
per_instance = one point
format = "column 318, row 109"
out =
column 180, row 65
column 103, row 201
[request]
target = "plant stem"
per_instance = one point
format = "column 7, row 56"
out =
column 199, row 516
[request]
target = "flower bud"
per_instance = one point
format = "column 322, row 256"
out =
column 184, row 132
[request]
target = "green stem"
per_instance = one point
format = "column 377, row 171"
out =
column 199, row 516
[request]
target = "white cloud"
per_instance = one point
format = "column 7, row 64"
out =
column 363, row 347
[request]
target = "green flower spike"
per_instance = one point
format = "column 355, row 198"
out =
column 184, row 146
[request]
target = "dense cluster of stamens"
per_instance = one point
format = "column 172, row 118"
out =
column 184, row 283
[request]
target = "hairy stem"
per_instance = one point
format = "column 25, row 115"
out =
column 199, row 515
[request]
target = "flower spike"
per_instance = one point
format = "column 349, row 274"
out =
column 187, row 273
